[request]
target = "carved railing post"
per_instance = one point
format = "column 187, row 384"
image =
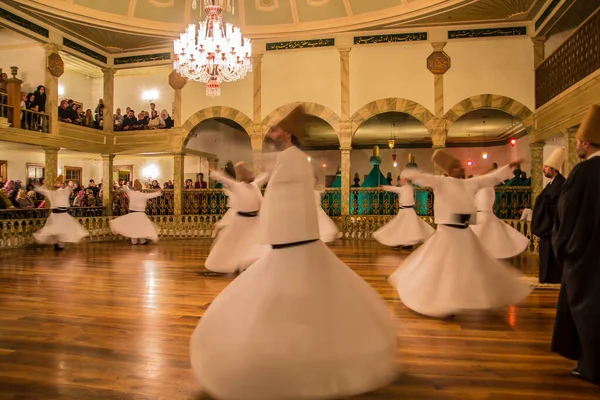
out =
column 107, row 184
column 178, row 172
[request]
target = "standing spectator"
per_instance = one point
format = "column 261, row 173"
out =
column 200, row 184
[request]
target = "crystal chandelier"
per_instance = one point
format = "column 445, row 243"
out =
column 212, row 52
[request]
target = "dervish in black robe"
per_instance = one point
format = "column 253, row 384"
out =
column 542, row 221
column 576, row 242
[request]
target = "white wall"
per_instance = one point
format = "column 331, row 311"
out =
column 30, row 61
column 79, row 88
column 237, row 95
column 129, row 89
column 311, row 75
column 490, row 66
column 17, row 160
column 390, row 70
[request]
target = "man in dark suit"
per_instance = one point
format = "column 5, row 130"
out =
column 544, row 215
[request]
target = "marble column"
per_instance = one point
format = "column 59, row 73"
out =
column 178, row 171
column 345, row 81
column 345, row 137
column 538, row 50
column 107, row 179
column 51, row 84
column 346, row 166
column 436, row 169
column 438, row 80
column 256, row 140
column 257, row 87
column 537, row 169
column 50, row 165
column 439, row 130
column 108, row 96
column 572, row 158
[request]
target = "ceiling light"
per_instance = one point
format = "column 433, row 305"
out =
column 212, row 52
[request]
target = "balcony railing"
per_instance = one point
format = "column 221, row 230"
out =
column 576, row 58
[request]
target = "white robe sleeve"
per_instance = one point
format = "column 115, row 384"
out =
column 223, row 178
column 493, row 178
column 421, row 179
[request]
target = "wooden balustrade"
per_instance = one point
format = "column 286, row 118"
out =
column 575, row 59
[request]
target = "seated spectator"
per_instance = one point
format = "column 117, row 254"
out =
column 23, row 200
column 63, row 112
column 129, row 121
column 118, row 119
column 168, row 121
column 141, row 123
column 88, row 119
column 154, row 120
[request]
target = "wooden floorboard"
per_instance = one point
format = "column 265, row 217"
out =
column 113, row 321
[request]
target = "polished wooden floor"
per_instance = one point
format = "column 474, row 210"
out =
column 113, row 321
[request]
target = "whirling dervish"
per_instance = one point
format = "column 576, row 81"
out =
column 406, row 228
column 237, row 246
column 135, row 224
column 298, row 324
column 327, row 228
column 499, row 239
column 228, row 216
column 452, row 271
column 60, row 227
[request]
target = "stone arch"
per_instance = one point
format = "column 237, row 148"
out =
column 495, row 101
column 314, row 109
column 216, row 112
column 390, row 104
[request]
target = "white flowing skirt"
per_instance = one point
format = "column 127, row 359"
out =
column 135, row 225
column 60, row 228
column 328, row 230
column 405, row 229
column 236, row 246
column 452, row 272
column 223, row 222
column 499, row 239
column 298, row 324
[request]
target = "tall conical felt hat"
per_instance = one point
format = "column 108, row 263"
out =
column 60, row 179
column 589, row 130
column 242, row 172
column 295, row 122
column 137, row 185
column 556, row 159
column 444, row 160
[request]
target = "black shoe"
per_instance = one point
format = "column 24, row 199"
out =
column 58, row 247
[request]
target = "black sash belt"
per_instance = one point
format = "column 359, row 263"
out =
column 463, row 220
column 137, row 211
column 250, row 214
column 286, row 245
column 456, row 226
column 403, row 207
column 59, row 210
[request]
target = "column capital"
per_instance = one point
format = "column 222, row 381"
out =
column 571, row 131
column 50, row 149
column 178, row 153
column 345, row 51
column 438, row 46
column 51, row 48
column 438, row 146
column 537, row 145
column 539, row 40
column 257, row 57
column 108, row 156
column 108, row 71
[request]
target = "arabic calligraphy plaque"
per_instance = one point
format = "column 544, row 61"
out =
column 56, row 66
column 438, row 63
column 300, row 44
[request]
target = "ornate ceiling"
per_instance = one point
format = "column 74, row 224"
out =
column 127, row 25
